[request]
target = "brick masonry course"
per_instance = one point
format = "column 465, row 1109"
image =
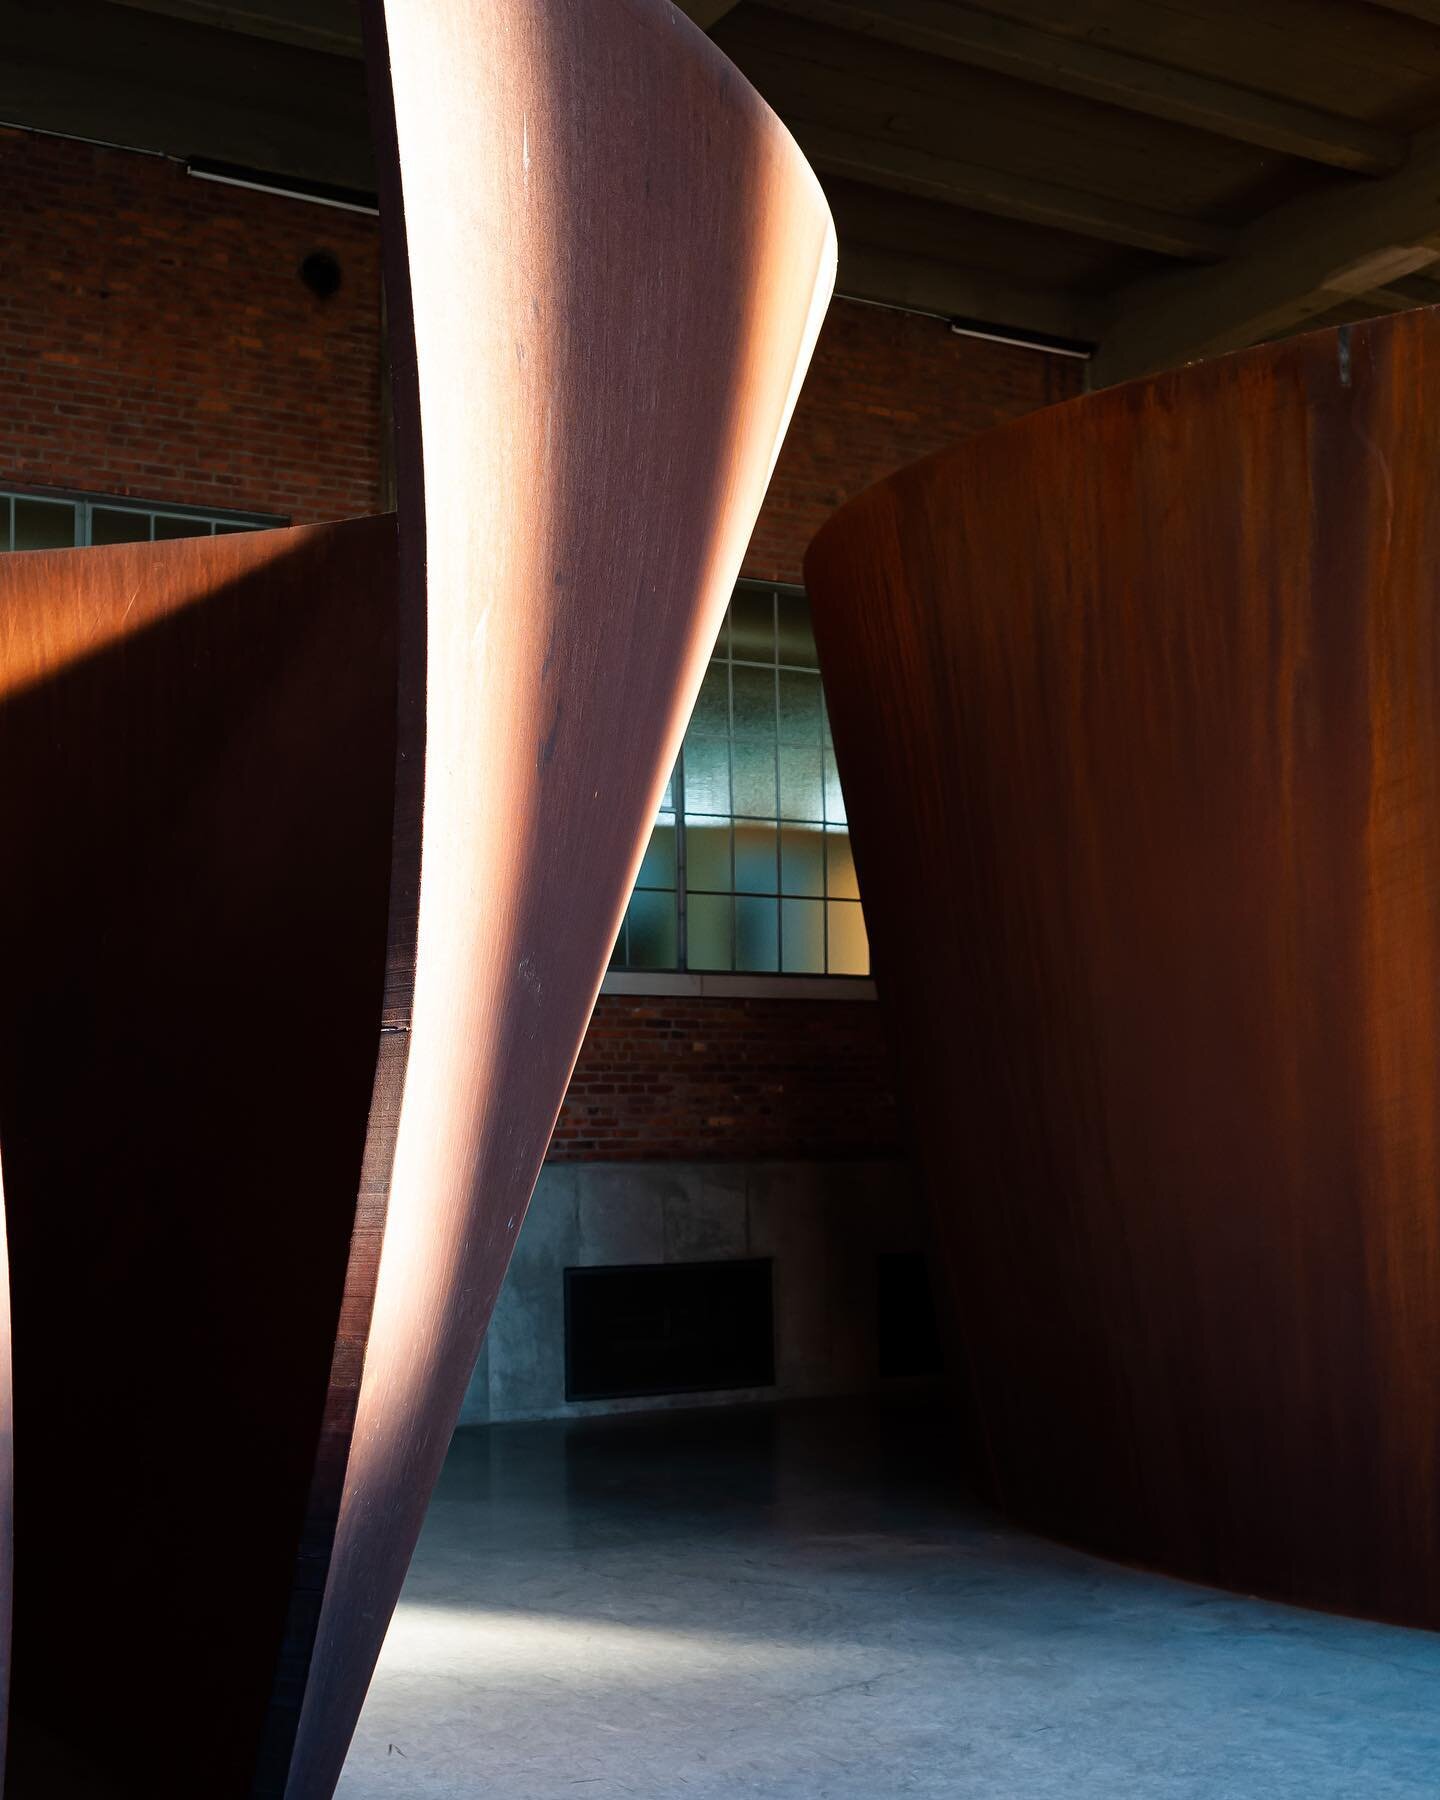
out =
column 157, row 342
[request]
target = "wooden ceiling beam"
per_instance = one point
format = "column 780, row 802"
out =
column 1396, row 298
column 966, row 35
column 331, row 25
column 92, row 69
column 920, row 284
column 706, row 13
column 1294, row 263
column 1007, row 195
column 1427, row 11
column 1405, row 293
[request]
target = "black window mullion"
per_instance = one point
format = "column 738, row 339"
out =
column 82, row 507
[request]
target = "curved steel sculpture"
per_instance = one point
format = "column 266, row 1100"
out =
column 316, row 849
column 1137, row 707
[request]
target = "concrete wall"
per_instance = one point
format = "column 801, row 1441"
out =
column 823, row 1223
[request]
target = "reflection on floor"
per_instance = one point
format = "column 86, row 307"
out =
column 802, row 1603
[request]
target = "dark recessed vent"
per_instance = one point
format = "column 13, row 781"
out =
column 906, row 1329
column 322, row 274
column 674, row 1328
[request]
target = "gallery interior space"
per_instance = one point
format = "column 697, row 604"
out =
column 975, row 1329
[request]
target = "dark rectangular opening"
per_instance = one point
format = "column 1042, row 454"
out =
column 671, row 1328
column 907, row 1332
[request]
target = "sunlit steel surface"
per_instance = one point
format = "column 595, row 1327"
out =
column 1137, row 707
column 230, row 878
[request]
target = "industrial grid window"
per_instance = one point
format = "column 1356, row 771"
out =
column 749, row 866
column 63, row 521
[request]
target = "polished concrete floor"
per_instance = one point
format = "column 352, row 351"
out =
column 802, row 1603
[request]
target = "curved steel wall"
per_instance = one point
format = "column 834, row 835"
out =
column 1137, row 707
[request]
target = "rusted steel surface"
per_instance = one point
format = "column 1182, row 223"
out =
column 606, row 263
column 1137, row 707
column 7, row 1482
column 197, row 746
column 315, row 856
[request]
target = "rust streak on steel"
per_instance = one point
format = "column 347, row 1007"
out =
column 1137, row 707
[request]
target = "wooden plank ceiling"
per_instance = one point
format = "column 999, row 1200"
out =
column 1160, row 179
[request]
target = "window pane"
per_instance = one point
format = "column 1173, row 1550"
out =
column 802, row 795
column 59, row 524
column 708, row 925
column 849, row 946
column 44, row 525
column 752, row 625
column 796, row 639
column 753, row 693
column 667, row 799
column 658, row 868
column 801, row 861
column 799, row 707
column 112, row 525
column 757, row 936
column 707, row 776
column 707, row 855
column 754, row 789
column 757, row 866
column 762, row 850
column 834, row 799
column 803, row 933
column 650, row 920
column 840, row 882
column 711, row 717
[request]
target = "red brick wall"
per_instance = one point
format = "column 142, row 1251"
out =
column 156, row 339
column 740, row 1079
column 770, row 1078
column 885, row 388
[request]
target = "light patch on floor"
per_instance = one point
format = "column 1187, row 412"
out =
column 802, row 1603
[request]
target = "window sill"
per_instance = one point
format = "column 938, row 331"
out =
column 738, row 987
